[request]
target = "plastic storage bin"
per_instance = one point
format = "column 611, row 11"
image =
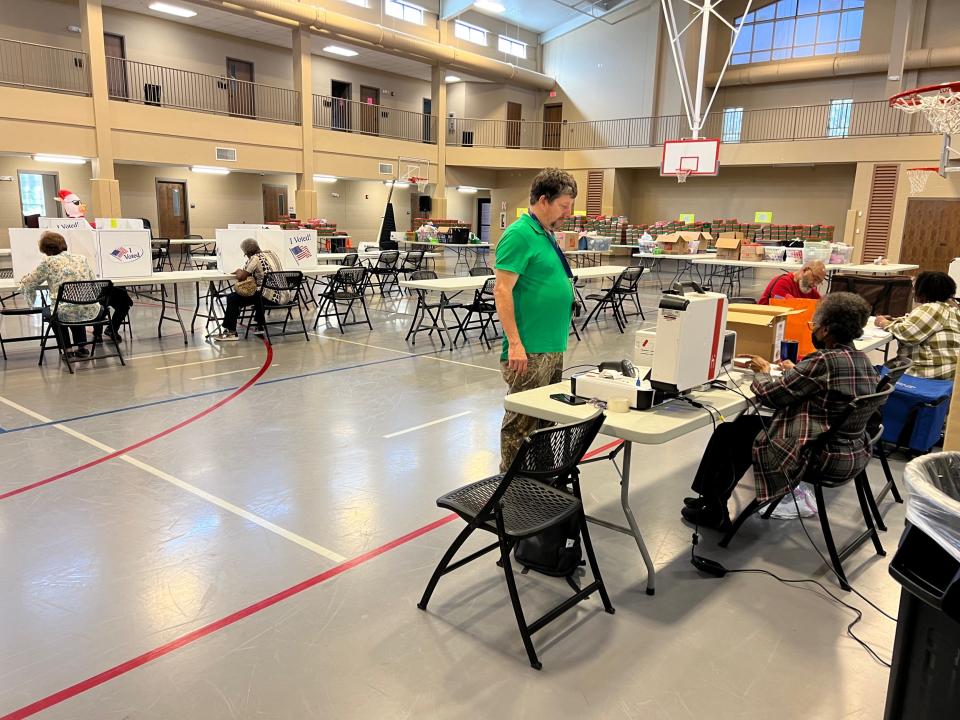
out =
column 840, row 254
column 794, row 255
column 774, row 253
column 813, row 250
column 914, row 415
column 927, row 564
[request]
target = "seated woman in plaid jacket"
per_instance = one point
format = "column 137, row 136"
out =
column 930, row 333
column 806, row 399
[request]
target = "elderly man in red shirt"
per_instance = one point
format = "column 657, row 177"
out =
column 800, row 284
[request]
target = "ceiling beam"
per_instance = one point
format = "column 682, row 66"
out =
column 451, row 8
column 565, row 27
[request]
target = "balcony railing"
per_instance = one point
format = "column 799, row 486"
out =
column 808, row 122
column 168, row 87
column 43, row 67
column 368, row 119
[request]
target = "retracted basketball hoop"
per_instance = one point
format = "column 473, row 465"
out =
column 420, row 182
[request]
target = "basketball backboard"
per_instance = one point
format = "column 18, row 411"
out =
column 696, row 157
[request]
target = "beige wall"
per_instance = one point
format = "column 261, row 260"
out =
column 396, row 91
column 513, row 188
column 71, row 177
column 214, row 200
column 606, row 71
column 32, row 21
column 798, row 195
column 463, row 207
column 357, row 207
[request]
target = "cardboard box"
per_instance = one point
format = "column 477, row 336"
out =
column 728, row 245
column 759, row 328
column 684, row 242
column 751, row 251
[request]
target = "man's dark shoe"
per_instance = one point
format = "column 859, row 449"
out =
column 714, row 517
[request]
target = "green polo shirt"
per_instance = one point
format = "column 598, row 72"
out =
column 543, row 295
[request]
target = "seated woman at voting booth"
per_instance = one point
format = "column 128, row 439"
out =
column 58, row 267
column 806, row 399
column 930, row 333
column 249, row 288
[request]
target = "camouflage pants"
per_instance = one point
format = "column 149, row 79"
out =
column 542, row 369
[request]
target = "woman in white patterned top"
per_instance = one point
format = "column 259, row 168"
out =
column 930, row 333
column 259, row 263
column 57, row 268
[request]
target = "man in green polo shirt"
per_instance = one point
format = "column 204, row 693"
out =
column 534, row 297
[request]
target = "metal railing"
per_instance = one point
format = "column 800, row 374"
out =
column 807, row 122
column 368, row 119
column 43, row 67
column 168, row 87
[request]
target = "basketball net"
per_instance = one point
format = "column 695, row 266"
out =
column 918, row 178
column 941, row 107
column 682, row 175
column 420, row 182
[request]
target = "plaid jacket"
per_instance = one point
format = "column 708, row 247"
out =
column 807, row 399
column 930, row 336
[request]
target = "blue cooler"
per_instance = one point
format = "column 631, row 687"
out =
column 914, row 415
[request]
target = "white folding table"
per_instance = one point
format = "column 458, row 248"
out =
column 462, row 251
column 656, row 426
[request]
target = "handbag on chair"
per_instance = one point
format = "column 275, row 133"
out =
column 246, row 288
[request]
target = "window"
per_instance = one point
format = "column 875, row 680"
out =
column 470, row 33
column 512, row 47
column 838, row 123
column 732, row 124
column 798, row 28
column 404, row 11
column 32, row 195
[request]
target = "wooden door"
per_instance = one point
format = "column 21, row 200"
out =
column 116, row 51
column 370, row 110
column 514, row 111
column 340, row 93
column 241, row 101
column 931, row 233
column 552, row 117
column 274, row 202
column 172, row 209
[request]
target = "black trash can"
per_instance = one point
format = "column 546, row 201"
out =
column 925, row 669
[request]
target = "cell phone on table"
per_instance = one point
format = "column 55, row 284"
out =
column 568, row 399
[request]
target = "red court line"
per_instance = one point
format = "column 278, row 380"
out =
column 163, row 433
column 140, row 660
column 151, row 655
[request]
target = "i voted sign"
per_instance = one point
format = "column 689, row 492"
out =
column 126, row 254
column 301, row 248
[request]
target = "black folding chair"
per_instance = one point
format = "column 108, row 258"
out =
column 282, row 282
column 161, row 254
column 82, row 292
column 341, row 294
column 525, row 501
column 480, row 271
column 385, row 271
column 435, row 310
column 484, row 308
column 17, row 312
column 896, row 369
column 852, row 425
column 611, row 298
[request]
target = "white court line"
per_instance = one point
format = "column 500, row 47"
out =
column 167, row 352
column 193, row 489
column 229, row 372
column 201, row 362
column 405, row 352
column 425, row 425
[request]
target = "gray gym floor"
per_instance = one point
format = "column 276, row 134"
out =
column 265, row 560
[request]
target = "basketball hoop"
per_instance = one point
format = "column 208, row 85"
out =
column 940, row 104
column 420, row 182
column 919, row 176
column 682, row 175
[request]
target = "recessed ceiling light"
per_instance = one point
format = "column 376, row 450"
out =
column 210, row 170
column 452, row 78
column 342, row 51
column 489, row 6
column 172, row 9
column 324, row 178
column 466, row 189
column 62, row 159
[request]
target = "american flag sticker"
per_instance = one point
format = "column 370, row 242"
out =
column 119, row 252
column 300, row 253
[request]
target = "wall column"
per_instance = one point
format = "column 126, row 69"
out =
column 105, row 200
column 306, row 199
column 438, row 93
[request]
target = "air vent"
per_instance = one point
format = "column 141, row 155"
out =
column 386, row 169
column 227, row 154
column 883, row 195
column 594, row 192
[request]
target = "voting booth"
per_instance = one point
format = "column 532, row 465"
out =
column 293, row 248
column 58, row 223
column 25, row 252
column 229, row 255
column 119, row 224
